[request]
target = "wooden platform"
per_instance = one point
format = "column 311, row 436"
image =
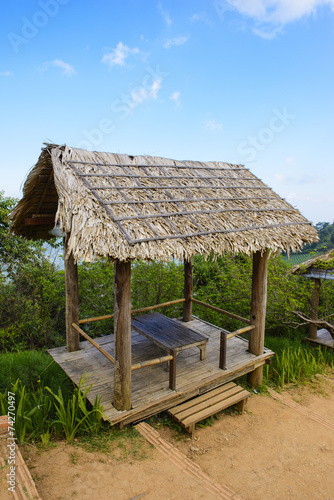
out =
column 201, row 407
column 150, row 391
column 323, row 338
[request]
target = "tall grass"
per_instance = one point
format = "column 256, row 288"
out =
column 294, row 363
column 33, row 368
column 46, row 401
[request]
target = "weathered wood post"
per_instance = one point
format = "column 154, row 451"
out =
column 122, row 333
column 314, row 307
column 188, row 289
column 258, row 312
column 72, row 299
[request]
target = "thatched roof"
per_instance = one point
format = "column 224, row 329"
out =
column 321, row 266
column 145, row 207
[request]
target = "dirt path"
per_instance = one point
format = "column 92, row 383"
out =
column 273, row 451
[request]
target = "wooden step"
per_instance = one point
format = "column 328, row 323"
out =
column 206, row 405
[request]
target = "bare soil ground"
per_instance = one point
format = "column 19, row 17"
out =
column 273, row 451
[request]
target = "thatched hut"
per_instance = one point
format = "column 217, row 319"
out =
column 317, row 269
column 143, row 207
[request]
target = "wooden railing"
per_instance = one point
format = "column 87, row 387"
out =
column 95, row 344
column 141, row 364
column 222, row 311
column 224, row 336
column 133, row 311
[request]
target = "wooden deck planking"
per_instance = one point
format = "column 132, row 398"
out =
column 323, row 338
column 150, row 392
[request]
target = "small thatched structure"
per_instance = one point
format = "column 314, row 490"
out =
column 143, row 207
column 318, row 268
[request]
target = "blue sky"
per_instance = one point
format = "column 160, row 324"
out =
column 240, row 81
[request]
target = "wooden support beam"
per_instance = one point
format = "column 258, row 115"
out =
column 258, row 312
column 72, row 300
column 188, row 290
column 122, row 331
column 39, row 221
column 313, row 329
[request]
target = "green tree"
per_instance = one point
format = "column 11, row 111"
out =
column 31, row 290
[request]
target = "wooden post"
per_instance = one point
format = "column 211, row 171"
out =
column 188, row 289
column 72, row 299
column 122, row 332
column 258, row 312
column 314, row 307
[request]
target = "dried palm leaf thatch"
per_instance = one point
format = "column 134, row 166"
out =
column 324, row 261
column 147, row 207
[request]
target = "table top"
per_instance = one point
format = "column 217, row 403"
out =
column 166, row 332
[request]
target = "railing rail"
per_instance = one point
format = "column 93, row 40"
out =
column 140, row 364
column 95, row 344
column 134, row 311
column 222, row 311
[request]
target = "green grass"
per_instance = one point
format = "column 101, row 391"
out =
column 33, row 368
column 295, row 362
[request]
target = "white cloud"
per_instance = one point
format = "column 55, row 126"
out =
column 176, row 97
column 271, row 15
column 118, row 55
column 178, row 40
column 199, row 17
column 142, row 94
column 66, row 68
column 213, row 126
column 165, row 15
column 6, row 73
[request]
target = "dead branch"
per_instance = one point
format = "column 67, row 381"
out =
column 321, row 323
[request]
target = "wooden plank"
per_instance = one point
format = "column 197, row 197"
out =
column 72, row 299
column 122, row 332
column 188, row 289
column 199, row 399
column 258, row 312
column 167, row 332
column 211, row 401
column 222, row 405
column 39, row 221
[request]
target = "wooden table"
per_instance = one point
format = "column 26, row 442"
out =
column 171, row 336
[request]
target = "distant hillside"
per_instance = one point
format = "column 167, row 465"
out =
column 326, row 242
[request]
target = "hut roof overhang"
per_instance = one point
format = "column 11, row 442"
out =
column 144, row 207
column 320, row 267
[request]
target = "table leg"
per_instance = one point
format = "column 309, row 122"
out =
column 202, row 349
column 172, row 372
